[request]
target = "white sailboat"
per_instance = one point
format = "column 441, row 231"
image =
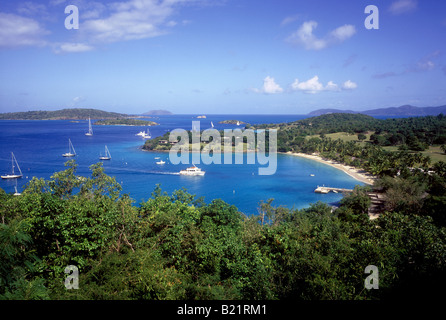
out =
column 16, row 193
column 90, row 129
column 212, row 125
column 13, row 175
column 107, row 155
column 70, row 149
column 146, row 135
column 161, row 162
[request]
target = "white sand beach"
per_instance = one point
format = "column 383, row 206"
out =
column 358, row 174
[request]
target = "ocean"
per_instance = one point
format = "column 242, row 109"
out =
column 38, row 146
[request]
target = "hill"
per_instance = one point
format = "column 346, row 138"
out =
column 64, row 114
column 158, row 113
column 320, row 112
column 406, row 110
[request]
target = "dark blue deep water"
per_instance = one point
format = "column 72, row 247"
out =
column 39, row 145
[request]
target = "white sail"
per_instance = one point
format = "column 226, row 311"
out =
column 71, row 152
column 107, row 155
column 13, row 175
column 212, row 125
column 90, row 128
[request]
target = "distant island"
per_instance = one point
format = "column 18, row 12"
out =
column 232, row 122
column 405, row 110
column 125, row 122
column 157, row 113
column 64, row 114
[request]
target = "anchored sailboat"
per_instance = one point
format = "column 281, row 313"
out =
column 71, row 152
column 90, row 129
column 107, row 155
column 13, row 175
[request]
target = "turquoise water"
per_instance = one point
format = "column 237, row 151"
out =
column 39, row 145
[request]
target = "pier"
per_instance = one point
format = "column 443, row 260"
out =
column 329, row 189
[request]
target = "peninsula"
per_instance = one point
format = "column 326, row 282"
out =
column 64, row 114
column 125, row 122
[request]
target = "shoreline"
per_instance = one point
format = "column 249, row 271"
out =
column 358, row 174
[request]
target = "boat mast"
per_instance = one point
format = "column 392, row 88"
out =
column 13, row 159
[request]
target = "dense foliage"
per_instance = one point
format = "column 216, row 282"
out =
column 179, row 247
column 73, row 113
column 416, row 133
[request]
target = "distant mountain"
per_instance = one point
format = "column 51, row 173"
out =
column 405, row 110
column 64, row 114
column 157, row 113
column 320, row 112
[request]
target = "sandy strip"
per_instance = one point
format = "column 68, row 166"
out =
column 358, row 174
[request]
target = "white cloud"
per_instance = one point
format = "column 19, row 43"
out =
column 310, row 86
column 343, row 33
column 68, row 47
column 130, row 20
column 289, row 19
column 313, row 86
column 304, row 36
column 403, row 6
column 331, row 86
column 16, row 31
column 269, row 86
column 349, row 85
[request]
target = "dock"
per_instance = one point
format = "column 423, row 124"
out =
column 329, row 189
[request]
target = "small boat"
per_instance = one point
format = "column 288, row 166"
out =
column 13, row 175
column 311, row 175
column 71, row 152
column 238, row 123
column 146, row 135
column 212, row 125
column 107, row 155
column 90, row 129
column 16, row 193
column 161, row 162
column 192, row 171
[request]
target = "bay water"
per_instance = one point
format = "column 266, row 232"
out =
column 38, row 146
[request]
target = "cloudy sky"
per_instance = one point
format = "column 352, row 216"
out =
column 222, row 56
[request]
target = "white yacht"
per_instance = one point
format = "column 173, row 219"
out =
column 192, row 171
column 107, row 155
column 144, row 134
column 90, row 129
column 13, row 175
column 161, row 162
column 147, row 135
column 71, row 152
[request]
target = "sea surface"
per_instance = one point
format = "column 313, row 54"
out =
column 38, row 146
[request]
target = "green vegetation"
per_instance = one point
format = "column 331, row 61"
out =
column 64, row 114
column 162, row 143
column 125, row 122
column 232, row 122
column 178, row 247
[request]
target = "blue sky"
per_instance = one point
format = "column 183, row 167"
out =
column 222, row 56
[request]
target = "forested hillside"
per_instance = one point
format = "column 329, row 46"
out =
column 179, row 247
column 64, row 114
